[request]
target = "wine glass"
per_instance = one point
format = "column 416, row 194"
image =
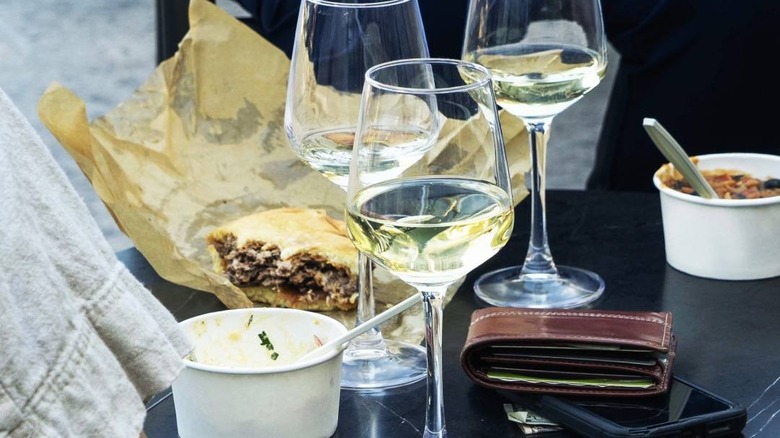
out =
column 335, row 43
column 433, row 221
column 544, row 55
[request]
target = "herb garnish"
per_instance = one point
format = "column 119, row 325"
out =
column 264, row 341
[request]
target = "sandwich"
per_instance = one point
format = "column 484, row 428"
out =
column 297, row 258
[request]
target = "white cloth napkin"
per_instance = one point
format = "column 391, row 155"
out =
column 82, row 342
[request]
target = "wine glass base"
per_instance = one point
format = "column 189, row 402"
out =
column 399, row 364
column 440, row 434
column 508, row 287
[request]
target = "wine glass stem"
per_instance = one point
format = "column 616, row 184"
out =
column 539, row 260
column 433, row 299
column 366, row 310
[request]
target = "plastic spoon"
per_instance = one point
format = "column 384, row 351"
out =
column 679, row 159
column 364, row 327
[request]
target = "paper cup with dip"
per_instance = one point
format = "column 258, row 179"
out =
column 243, row 378
column 724, row 239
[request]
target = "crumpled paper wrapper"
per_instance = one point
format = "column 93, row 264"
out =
column 201, row 143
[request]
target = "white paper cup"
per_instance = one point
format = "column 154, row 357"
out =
column 233, row 388
column 724, row 239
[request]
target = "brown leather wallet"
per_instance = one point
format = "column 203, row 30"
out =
column 572, row 352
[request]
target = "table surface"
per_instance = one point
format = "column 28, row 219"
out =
column 727, row 330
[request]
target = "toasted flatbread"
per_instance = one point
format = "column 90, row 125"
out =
column 288, row 257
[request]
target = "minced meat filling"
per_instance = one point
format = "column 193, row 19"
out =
column 260, row 264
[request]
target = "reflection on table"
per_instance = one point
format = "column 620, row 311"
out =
column 727, row 331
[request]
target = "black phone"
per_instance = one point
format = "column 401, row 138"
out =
column 686, row 410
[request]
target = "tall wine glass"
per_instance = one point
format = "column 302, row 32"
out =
column 335, row 43
column 544, row 56
column 441, row 217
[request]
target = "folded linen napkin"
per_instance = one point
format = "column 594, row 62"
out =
column 82, row 342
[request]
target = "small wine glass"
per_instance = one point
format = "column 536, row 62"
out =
column 434, row 220
column 335, row 43
column 544, row 56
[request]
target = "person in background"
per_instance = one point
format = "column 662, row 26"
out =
column 697, row 66
column 444, row 21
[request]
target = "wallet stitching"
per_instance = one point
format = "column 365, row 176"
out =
column 650, row 319
column 534, row 336
column 667, row 329
column 494, row 314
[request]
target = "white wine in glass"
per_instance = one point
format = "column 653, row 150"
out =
column 544, row 55
column 336, row 41
column 434, row 221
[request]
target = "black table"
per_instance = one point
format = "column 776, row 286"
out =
column 727, row 330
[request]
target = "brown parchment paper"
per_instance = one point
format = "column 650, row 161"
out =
column 202, row 142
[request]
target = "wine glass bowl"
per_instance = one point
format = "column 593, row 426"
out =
column 335, row 43
column 544, row 56
column 433, row 221
column 569, row 73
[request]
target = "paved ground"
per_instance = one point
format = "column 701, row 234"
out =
column 103, row 50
